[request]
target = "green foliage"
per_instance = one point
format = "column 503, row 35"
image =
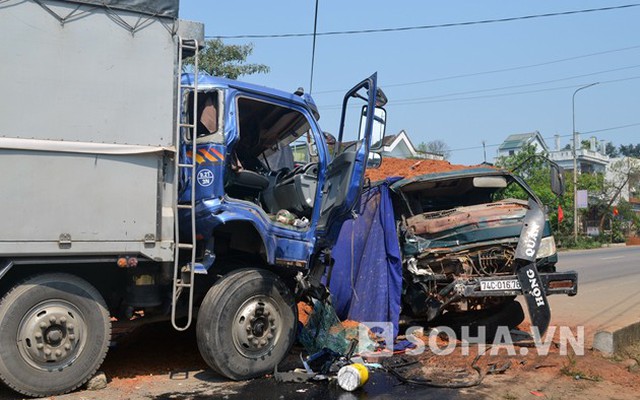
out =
column 611, row 150
column 630, row 150
column 229, row 61
column 534, row 170
column 566, row 241
column 435, row 146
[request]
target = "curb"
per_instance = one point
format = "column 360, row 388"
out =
column 615, row 341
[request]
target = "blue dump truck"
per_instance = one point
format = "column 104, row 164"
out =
column 452, row 248
column 132, row 192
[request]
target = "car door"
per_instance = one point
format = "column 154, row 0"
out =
column 345, row 174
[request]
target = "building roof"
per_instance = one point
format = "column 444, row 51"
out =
column 388, row 140
column 519, row 140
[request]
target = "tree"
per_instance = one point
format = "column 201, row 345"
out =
column 229, row 61
column 622, row 172
column 630, row 150
column 536, row 173
column 611, row 150
column 435, row 146
column 534, row 170
column 586, row 145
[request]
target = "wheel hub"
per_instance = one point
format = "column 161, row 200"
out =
column 51, row 335
column 257, row 327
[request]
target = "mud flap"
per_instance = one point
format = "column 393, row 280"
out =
column 527, row 272
column 533, row 291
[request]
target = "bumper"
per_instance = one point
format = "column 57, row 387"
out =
column 554, row 283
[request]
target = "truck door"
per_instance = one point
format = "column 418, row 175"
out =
column 345, row 174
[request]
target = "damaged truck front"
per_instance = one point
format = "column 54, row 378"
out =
column 133, row 193
column 469, row 245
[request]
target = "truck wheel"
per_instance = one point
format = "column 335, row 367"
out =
column 54, row 334
column 246, row 324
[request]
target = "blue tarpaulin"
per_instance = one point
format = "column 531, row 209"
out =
column 366, row 281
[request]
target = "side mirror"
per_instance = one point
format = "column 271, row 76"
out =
column 374, row 160
column 557, row 179
column 378, row 128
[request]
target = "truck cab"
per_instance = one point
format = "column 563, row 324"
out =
column 261, row 200
column 139, row 194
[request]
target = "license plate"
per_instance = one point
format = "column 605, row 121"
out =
column 504, row 284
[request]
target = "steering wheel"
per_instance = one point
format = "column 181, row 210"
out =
column 310, row 167
column 281, row 174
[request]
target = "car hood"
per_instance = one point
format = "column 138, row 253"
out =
column 421, row 182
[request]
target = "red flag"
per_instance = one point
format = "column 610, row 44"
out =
column 560, row 214
column 615, row 211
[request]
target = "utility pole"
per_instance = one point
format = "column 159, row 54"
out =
column 575, row 160
column 484, row 149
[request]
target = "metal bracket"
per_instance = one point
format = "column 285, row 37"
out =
column 149, row 238
column 64, row 241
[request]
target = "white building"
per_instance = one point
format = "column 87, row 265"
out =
column 400, row 146
column 591, row 160
column 514, row 143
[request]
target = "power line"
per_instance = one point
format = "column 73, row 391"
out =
column 467, row 75
column 610, row 129
column 422, row 27
column 523, row 84
column 552, row 137
column 398, row 103
column 313, row 51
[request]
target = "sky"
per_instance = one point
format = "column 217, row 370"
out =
column 460, row 84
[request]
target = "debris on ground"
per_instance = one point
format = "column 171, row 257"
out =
column 352, row 377
column 97, row 382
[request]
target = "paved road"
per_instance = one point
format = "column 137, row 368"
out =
column 608, row 288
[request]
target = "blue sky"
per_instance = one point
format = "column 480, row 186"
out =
column 419, row 69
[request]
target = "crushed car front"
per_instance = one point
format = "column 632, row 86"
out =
column 459, row 232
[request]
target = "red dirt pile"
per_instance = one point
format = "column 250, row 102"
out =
column 411, row 167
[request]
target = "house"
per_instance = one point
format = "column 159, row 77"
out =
column 514, row 143
column 590, row 159
column 400, row 146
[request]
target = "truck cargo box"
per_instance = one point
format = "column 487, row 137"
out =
column 87, row 113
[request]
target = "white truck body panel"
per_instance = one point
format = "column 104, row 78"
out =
column 87, row 112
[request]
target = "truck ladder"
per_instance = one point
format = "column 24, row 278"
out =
column 183, row 275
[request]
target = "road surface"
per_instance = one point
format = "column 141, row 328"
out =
column 608, row 288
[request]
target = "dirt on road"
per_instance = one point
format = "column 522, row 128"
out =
column 156, row 362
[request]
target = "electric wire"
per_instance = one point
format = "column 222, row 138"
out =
column 313, row 51
column 495, row 71
column 520, row 85
column 423, row 27
column 613, row 128
column 404, row 102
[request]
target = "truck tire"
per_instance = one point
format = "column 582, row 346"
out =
column 54, row 334
column 246, row 324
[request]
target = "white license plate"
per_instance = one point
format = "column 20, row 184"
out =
column 504, row 284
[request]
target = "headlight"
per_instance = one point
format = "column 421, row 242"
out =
column 547, row 247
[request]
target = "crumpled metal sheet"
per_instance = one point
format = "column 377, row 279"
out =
column 440, row 221
column 161, row 8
